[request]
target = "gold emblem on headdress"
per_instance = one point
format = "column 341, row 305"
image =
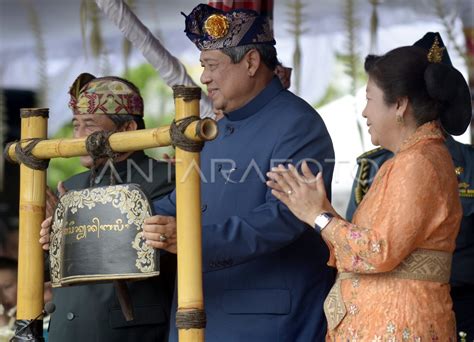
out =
column 435, row 55
column 216, row 25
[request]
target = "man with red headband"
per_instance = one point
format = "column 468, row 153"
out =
column 92, row 312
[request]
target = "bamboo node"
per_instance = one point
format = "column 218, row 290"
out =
column 34, row 112
column 191, row 319
column 186, row 93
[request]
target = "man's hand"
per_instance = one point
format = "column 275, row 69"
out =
column 52, row 199
column 51, row 203
column 160, row 232
column 45, row 232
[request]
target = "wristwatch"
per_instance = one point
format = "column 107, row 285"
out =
column 322, row 220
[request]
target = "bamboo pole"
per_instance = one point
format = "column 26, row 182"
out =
column 32, row 210
column 189, row 230
column 32, row 205
column 202, row 130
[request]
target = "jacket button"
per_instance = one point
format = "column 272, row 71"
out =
column 229, row 130
column 204, row 207
column 70, row 316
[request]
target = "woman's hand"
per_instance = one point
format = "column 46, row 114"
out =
column 304, row 194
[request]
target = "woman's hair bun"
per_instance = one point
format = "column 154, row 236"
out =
column 441, row 81
column 448, row 86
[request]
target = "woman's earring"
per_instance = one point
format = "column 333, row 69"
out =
column 400, row 120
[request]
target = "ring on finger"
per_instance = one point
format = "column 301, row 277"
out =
column 163, row 238
column 289, row 192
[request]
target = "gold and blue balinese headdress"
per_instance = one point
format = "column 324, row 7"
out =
column 211, row 29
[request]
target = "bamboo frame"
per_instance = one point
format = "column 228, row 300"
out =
column 32, row 211
column 188, row 216
column 202, row 130
column 32, row 205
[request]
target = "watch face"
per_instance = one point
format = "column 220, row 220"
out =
column 323, row 220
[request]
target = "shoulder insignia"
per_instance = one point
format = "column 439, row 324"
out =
column 463, row 186
column 464, row 190
column 362, row 180
column 370, row 153
column 466, row 193
column 363, row 177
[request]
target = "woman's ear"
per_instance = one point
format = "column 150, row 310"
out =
column 253, row 60
column 402, row 106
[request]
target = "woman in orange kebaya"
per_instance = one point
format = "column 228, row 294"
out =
column 394, row 259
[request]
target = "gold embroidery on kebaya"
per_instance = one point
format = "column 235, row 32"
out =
column 391, row 328
column 406, row 334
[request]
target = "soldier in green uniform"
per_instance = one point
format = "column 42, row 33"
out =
column 462, row 271
column 92, row 312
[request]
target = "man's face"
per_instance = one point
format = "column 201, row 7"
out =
column 8, row 288
column 227, row 83
column 85, row 124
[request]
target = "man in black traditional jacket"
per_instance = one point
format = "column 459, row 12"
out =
column 92, row 312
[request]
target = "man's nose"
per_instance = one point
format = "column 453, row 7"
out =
column 205, row 79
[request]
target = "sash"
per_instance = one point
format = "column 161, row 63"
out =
column 421, row 264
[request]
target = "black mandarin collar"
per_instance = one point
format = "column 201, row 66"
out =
column 257, row 103
column 136, row 156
